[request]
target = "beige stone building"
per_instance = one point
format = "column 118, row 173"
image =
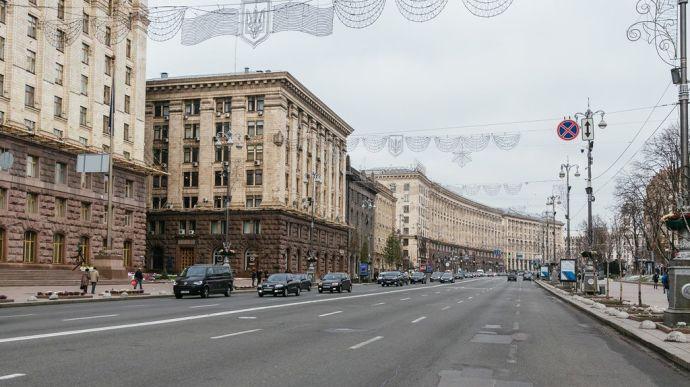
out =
column 385, row 221
column 55, row 91
column 288, row 158
column 530, row 239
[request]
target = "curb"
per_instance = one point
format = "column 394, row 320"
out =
column 685, row 364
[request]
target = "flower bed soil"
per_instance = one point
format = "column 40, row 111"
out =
column 666, row 329
column 138, row 292
column 6, row 300
column 65, row 297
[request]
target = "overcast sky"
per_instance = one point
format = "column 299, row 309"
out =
column 540, row 60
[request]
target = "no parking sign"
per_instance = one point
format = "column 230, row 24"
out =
column 567, row 130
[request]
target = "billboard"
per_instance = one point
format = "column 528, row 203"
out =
column 544, row 272
column 568, row 270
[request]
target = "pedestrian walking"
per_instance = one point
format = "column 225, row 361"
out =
column 139, row 277
column 655, row 279
column 253, row 277
column 265, row 274
column 665, row 283
column 93, row 277
column 84, row 284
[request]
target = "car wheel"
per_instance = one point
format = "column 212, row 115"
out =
column 205, row 292
column 226, row 293
column 331, row 291
column 340, row 289
column 297, row 292
column 349, row 290
column 285, row 293
column 178, row 295
column 261, row 294
column 320, row 291
column 309, row 289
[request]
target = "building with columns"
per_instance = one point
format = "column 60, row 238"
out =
column 530, row 239
column 55, row 96
column 286, row 164
column 361, row 214
column 384, row 223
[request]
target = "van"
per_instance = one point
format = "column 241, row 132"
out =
column 204, row 280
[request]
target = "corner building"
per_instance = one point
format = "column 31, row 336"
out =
column 287, row 161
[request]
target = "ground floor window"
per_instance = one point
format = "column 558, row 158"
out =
column 84, row 249
column 30, row 239
column 127, row 254
column 58, row 248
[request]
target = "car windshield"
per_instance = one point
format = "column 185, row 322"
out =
column 436, row 274
column 331, row 277
column 194, row 271
column 390, row 274
column 277, row 278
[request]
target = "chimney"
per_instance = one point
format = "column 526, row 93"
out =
column 246, row 69
column 164, row 75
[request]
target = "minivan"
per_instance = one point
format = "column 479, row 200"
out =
column 204, row 280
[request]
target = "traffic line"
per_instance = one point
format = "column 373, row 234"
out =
column 445, row 308
column 11, row 376
column 405, row 299
column 460, row 302
column 418, row 320
column 18, row 315
column 379, row 303
column 363, row 343
column 90, row 317
column 235, row 334
column 512, row 354
column 247, row 317
column 330, row 314
column 469, row 298
column 516, row 326
column 202, row 306
column 517, row 305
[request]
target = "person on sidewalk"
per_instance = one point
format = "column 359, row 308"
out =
column 655, row 279
column 664, row 282
column 253, row 277
column 93, row 277
column 84, row 284
column 139, row 277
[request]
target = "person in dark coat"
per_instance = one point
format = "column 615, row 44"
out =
column 655, row 279
column 139, row 277
column 84, row 283
column 253, row 277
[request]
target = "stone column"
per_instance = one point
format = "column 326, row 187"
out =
column 294, row 128
column 679, row 283
column 238, row 124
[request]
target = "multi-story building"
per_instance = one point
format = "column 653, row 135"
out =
column 384, row 223
column 55, row 92
column 286, row 166
column 361, row 215
column 530, row 240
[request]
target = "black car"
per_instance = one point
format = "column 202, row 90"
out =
column 512, row 276
column 305, row 281
column 283, row 284
column 527, row 276
column 405, row 277
column 435, row 276
column 335, row 282
column 447, row 277
column 204, row 280
column 418, row 277
column 391, row 278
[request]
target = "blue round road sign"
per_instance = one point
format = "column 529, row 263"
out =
column 568, row 130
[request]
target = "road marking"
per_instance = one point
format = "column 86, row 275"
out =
column 17, row 315
column 437, row 292
column 445, row 308
column 469, row 298
column 247, row 317
column 425, row 295
column 405, row 299
column 134, row 306
column 460, row 302
column 418, row 320
column 363, row 343
column 90, row 317
column 11, row 376
column 512, row 354
column 234, row 334
column 194, row 317
column 517, row 305
column 517, row 312
column 516, row 326
column 492, row 327
column 202, row 306
column 379, row 303
column 330, row 314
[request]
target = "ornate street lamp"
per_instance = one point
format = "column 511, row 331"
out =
column 565, row 173
column 224, row 140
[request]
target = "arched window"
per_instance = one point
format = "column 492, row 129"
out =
column 2, row 245
column 127, row 254
column 58, row 248
column 249, row 259
column 30, row 239
column 85, row 249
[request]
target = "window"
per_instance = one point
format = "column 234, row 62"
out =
column 160, row 132
column 60, row 173
column 58, row 248
column 85, row 213
column 106, row 125
column 31, row 166
column 86, row 180
column 190, row 179
column 218, row 201
column 107, row 95
column 128, row 218
column 406, row 219
column 255, row 128
column 31, row 61
column 3, row 19
column 255, row 152
column 85, row 23
column 128, row 48
column 61, row 9
column 192, row 107
column 84, row 85
column 161, row 109
column 125, row 132
column 251, row 227
column 127, row 253
column 223, row 105
column 82, row 116
column 84, row 141
column 2, row 85
column 85, row 52
column 60, row 40
column 60, row 207
column 189, row 201
column 160, row 156
column 253, row 201
column 31, row 30
column 187, row 227
column 158, row 202
column 29, row 96
column 191, row 131
column 129, row 188
column 2, row 44
column 32, row 203
column 406, row 187
column 127, row 104
column 406, row 209
column 3, row 198
column 2, row 230
column 57, row 106
column 30, row 239
column 108, row 65
column 220, row 179
column 30, row 125
column 222, row 154
column 160, row 181
column 255, row 177
column 222, row 127
column 128, row 76
column 59, row 73
column 218, row 227
column 108, row 36
column 255, row 104
column 391, row 186
column 84, row 247
column 191, row 154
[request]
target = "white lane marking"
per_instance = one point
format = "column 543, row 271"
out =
column 330, row 314
column 11, row 376
column 193, row 317
column 202, row 306
column 379, row 303
column 247, row 317
column 405, row 299
column 469, row 298
column 437, row 292
column 445, row 308
column 17, row 315
column 492, row 327
column 512, row 354
column 418, row 320
column 516, row 326
column 460, row 302
column 517, row 305
column 517, row 312
column 363, row 343
column 89, row 317
column 134, row 306
column 234, row 334
column 425, row 295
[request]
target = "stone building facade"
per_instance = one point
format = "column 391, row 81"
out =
column 361, row 215
column 529, row 240
column 384, row 223
column 54, row 98
column 286, row 162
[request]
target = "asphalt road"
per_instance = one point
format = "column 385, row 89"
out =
column 477, row 332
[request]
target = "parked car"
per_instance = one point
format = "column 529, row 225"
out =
column 305, row 281
column 204, row 280
column 512, row 276
column 435, row 276
column 418, row 277
column 335, row 282
column 276, row 284
column 391, row 278
column 380, row 277
column 527, row 276
column 447, row 277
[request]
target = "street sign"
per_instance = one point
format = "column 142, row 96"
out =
column 567, row 130
column 587, row 129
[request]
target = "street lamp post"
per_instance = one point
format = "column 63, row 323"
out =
column 552, row 201
column 224, row 140
column 316, row 178
column 565, row 172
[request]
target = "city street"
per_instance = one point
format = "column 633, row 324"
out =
column 482, row 331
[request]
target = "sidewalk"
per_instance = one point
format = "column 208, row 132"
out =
column 679, row 353
column 650, row 296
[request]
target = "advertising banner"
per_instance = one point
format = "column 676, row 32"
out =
column 544, row 272
column 568, row 270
